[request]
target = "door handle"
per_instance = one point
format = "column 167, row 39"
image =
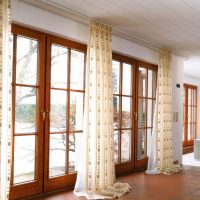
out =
column 135, row 114
column 43, row 113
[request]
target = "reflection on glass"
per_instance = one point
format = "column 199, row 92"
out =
column 58, row 114
column 74, row 145
column 141, row 113
column 27, row 61
column 126, row 79
column 189, row 132
column 195, row 97
column 151, row 83
column 59, row 61
column 141, row 144
column 150, row 114
column 115, row 76
column 126, row 146
column 149, row 133
column 190, row 97
column 77, row 70
column 192, row 114
column 76, row 111
column 126, row 112
column 116, row 111
column 189, row 114
column 116, row 146
column 142, row 82
column 57, row 154
column 24, row 159
column 25, row 110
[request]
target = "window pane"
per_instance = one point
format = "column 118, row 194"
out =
column 141, row 143
column 150, row 114
column 189, row 132
column 189, row 97
column 27, row 61
column 59, row 61
column 57, row 154
column 116, row 146
column 25, row 110
column 24, row 159
column 192, row 114
column 192, row 96
column 58, row 114
column 192, row 131
column 195, row 97
column 142, row 82
column 74, row 145
column 116, row 111
column 189, row 114
column 126, row 112
column 77, row 70
column 115, row 76
column 126, row 79
column 149, row 133
column 76, row 111
column 141, row 113
column 126, row 146
column 151, row 83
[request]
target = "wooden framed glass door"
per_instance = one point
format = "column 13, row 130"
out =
column 146, row 97
column 64, row 109
column 27, row 102
column 134, row 96
column 124, row 107
column 190, row 115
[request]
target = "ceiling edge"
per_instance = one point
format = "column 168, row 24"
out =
column 55, row 8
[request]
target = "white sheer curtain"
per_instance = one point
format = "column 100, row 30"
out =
column 161, row 158
column 96, row 169
column 5, row 98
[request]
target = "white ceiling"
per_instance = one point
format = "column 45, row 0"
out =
column 173, row 24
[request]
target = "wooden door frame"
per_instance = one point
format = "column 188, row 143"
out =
column 127, row 167
column 186, row 142
column 33, row 187
column 142, row 163
column 66, row 180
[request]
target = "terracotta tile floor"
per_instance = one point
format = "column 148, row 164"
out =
column 182, row 186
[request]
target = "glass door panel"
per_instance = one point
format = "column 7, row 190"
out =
column 27, row 89
column 123, row 73
column 190, row 114
column 65, row 102
column 25, row 124
column 24, row 159
column 146, row 96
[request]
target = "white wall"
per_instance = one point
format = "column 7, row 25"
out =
column 195, row 81
column 49, row 22
column 177, row 100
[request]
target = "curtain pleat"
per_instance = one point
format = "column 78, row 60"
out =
column 5, row 97
column 96, row 168
column 161, row 156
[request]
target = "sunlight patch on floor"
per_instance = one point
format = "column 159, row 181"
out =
column 188, row 159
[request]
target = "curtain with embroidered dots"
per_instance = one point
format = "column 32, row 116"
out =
column 161, row 155
column 5, row 98
column 96, row 171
